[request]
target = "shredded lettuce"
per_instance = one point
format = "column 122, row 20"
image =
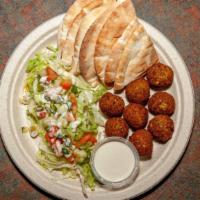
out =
column 88, row 116
column 88, row 175
column 36, row 64
column 98, row 93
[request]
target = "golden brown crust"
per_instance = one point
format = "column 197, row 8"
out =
column 116, row 127
column 111, row 105
column 162, row 103
column 136, row 115
column 138, row 91
column 142, row 140
column 160, row 75
column 161, row 127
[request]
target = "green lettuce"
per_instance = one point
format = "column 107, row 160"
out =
column 89, row 178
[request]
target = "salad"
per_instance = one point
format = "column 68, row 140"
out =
column 62, row 111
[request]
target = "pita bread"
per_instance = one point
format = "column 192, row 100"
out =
column 86, row 58
column 68, row 46
column 87, row 21
column 138, row 66
column 138, row 55
column 111, row 31
column 116, row 52
column 68, row 19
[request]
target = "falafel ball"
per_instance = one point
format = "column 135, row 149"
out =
column 143, row 142
column 160, row 75
column 161, row 127
column 162, row 103
column 138, row 91
column 136, row 115
column 111, row 105
column 116, row 127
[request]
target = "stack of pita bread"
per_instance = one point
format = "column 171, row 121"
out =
column 104, row 42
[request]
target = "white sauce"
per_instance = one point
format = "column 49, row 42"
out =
column 114, row 161
column 74, row 125
column 43, row 79
column 53, row 92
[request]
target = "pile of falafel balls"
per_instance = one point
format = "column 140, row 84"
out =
column 135, row 114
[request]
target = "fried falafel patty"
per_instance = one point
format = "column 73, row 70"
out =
column 160, row 75
column 136, row 115
column 111, row 105
column 161, row 103
column 161, row 127
column 142, row 140
column 116, row 127
column 138, row 91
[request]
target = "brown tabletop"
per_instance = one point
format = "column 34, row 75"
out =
column 179, row 20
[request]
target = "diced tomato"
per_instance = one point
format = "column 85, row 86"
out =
column 72, row 98
column 93, row 140
column 53, row 140
column 71, row 159
column 74, row 111
column 42, row 114
column 52, row 130
column 76, row 144
column 70, row 117
column 51, row 74
column 61, row 140
column 87, row 138
column 66, row 84
column 48, row 138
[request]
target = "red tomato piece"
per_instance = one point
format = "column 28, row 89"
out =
column 66, row 84
column 87, row 138
column 70, row 117
column 52, row 130
column 71, row 159
column 42, row 114
column 51, row 74
column 48, row 138
column 72, row 98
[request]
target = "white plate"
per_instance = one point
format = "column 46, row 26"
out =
column 22, row 148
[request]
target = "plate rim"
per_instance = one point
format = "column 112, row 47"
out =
column 2, row 101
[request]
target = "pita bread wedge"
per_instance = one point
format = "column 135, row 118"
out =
column 111, row 31
column 138, row 66
column 67, row 52
column 88, row 20
column 68, row 20
column 138, row 55
column 116, row 52
column 86, row 58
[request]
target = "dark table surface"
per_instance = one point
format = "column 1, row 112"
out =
column 179, row 20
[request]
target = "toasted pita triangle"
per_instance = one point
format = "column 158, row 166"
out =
column 68, row 47
column 85, row 25
column 138, row 66
column 68, row 20
column 111, row 31
column 86, row 62
column 116, row 52
column 138, row 54
column 70, row 29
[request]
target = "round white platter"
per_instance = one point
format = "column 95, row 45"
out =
column 22, row 148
